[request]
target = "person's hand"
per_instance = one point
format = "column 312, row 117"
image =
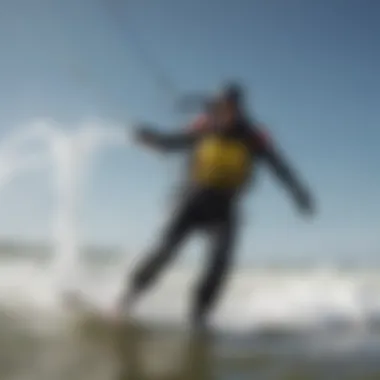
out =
column 143, row 134
column 305, row 202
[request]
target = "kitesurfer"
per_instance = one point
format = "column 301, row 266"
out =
column 225, row 148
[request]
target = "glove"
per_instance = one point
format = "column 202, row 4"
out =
column 145, row 135
column 305, row 202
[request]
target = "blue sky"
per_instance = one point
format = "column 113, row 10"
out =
column 312, row 69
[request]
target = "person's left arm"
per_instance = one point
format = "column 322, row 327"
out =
column 282, row 169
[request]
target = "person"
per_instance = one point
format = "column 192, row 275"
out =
column 225, row 149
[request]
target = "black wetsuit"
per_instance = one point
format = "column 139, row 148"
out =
column 209, row 201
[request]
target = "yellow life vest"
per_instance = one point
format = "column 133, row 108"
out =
column 221, row 162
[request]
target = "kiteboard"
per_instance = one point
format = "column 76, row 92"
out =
column 91, row 317
column 93, row 322
column 88, row 313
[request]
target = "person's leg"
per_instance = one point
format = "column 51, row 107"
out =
column 148, row 270
column 223, row 236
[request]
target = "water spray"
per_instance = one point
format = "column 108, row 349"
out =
column 69, row 154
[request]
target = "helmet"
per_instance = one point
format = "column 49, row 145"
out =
column 232, row 92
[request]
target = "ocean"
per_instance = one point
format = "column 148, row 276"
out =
column 273, row 323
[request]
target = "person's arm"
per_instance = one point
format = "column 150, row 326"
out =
column 171, row 141
column 286, row 174
column 164, row 141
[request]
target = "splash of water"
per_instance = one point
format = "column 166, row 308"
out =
column 70, row 154
column 73, row 155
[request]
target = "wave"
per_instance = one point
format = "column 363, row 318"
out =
column 254, row 299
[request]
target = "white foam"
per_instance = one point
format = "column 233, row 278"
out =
column 253, row 301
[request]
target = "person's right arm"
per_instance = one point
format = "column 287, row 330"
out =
column 172, row 141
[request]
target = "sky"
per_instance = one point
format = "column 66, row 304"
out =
column 312, row 71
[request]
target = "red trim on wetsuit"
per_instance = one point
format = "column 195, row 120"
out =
column 261, row 138
column 200, row 124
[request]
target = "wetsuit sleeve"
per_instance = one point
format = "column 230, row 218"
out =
column 173, row 141
column 282, row 169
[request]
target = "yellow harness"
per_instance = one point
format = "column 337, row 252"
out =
column 221, row 162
